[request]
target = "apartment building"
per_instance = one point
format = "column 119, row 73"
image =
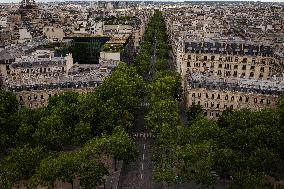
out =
column 228, row 56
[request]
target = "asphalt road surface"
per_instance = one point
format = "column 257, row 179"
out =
column 138, row 174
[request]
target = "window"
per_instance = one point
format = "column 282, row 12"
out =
column 193, row 94
column 204, row 64
column 21, row 98
column 212, row 104
column 235, row 74
column 189, row 57
column 268, row 101
column 251, row 74
column 212, row 96
column 262, row 69
column 49, row 95
column 29, row 97
column 199, row 94
column 232, row 98
column 212, row 57
column 205, row 57
column 241, row 99
column 41, row 96
column 217, row 114
column 218, row 97
column 245, row 60
column 231, row 107
column 188, row 64
column 206, row 104
column 206, row 95
column 255, row 100
column 35, row 97
column 261, row 101
column 247, row 99
column 205, row 113
column 244, row 67
column 218, row 105
column 220, row 66
column 219, row 72
column 252, row 67
column 198, row 102
column 226, row 97
column 236, row 67
column 225, row 106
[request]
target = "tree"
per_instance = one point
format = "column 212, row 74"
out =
column 194, row 112
column 20, row 164
column 121, row 146
column 63, row 167
column 91, row 174
column 8, row 125
column 165, row 84
column 82, row 133
column 65, row 106
column 28, row 120
column 162, row 111
column 161, row 64
column 199, row 162
column 52, row 132
column 242, row 144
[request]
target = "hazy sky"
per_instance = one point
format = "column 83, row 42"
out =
column 16, row 1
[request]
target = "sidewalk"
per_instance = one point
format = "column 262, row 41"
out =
column 112, row 180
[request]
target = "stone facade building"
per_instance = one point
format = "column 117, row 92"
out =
column 215, row 93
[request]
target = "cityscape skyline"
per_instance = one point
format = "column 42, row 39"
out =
column 276, row 1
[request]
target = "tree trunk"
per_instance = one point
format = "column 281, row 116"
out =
column 115, row 164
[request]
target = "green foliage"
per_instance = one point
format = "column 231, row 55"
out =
column 243, row 144
column 165, row 84
column 62, row 167
column 163, row 111
column 20, row 164
column 82, row 133
column 8, row 126
column 121, row 146
column 91, row 174
column 161, row 64
column 194, row 112
column 51, row 132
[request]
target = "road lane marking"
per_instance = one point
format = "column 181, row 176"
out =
column 144, row 147
column 142, row 167
column 141, row 176
column 143, row 157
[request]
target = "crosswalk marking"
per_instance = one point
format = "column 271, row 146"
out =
column 142, row 135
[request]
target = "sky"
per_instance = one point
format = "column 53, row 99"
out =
column 16, row 1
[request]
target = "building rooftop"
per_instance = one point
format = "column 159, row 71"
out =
column 271, row 87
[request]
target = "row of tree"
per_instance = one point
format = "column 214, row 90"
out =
column 143, row 59
column 244, row 147
column 31, row 138
column 162, row 119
